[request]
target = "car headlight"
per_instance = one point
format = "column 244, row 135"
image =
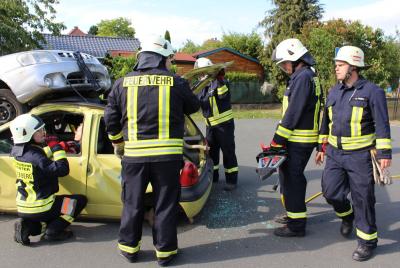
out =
column 36, row 57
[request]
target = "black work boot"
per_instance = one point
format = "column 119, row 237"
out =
column 346, row 228
column 281, row 218
column 286, row 232
column 130, row 257
column 63, row 235
column 363, row 252
column 230, row 187
column 21, row 232
column 216, row 176
column 166, row 260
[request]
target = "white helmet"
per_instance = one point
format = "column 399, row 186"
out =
column 352, row 55
column 24, row 126
column 289, row 50
column 158, row 45
column 202, row 62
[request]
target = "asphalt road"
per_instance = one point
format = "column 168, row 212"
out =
column 234, row 229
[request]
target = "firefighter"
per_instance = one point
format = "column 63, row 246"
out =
column 297, row 130
column 37, row 170
column 145, row 121
column 355, row 120
column 215, row 102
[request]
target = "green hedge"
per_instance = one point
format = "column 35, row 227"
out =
column 241, row 76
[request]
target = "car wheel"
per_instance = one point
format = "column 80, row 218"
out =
column 10, row 107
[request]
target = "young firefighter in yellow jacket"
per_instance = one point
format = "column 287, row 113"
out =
column 215, row 102
column 145, row 121
column 297, row 131
column 37, row 169
column 355, row 120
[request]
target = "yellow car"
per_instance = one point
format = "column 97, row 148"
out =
column 94, row 169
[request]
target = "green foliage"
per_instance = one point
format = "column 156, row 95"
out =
column 247, row 44
column 167, row 36
column 285, row 21
column 211, row 44
column 189, row 47
column 93, row 30
column 119, row 66
column 382, row 53
column 119, row 27
column 241, row 76
column 23, row 21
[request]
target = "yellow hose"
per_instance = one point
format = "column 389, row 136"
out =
column 313, row 197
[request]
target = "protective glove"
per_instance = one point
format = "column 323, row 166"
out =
column 119, row 149
column 70, row 147
column 381, row 176
column 51, row 140
column 56, row 148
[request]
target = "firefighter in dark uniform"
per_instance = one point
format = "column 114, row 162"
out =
column 145, row 121
column 297, row 130
column 355, row 120
column 37, row 170
column 216, row 107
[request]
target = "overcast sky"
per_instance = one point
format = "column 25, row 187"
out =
column 201, row 20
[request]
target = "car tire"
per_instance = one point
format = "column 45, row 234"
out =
column 10, row 107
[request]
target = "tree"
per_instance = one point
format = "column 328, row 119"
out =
column 189, row 47
column 119, row 27
column 93, row 30
column 167, row 36
column 286, row 21
column 119, row 66
column 382, row 53
column 247, row 44
column 210, row 44
column 23, row 21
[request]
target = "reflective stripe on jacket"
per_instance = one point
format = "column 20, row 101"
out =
column 146, row 108
column 300, row 109
column 37, row 178
column 357, row 118
column 216, row 103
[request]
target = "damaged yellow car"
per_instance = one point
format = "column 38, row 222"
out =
column 94, row 169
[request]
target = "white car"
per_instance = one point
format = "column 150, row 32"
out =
column 27, row 78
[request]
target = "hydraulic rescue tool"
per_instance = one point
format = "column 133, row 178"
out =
column 269, row 161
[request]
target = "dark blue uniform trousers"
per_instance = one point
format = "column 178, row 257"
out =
column 294, row 183
column 351, row 172
column 222, row 137
column 55, row 223
column 164, row 178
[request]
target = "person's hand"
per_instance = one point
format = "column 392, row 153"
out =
column 319, row 158
column 385, row 163
column 119, row 149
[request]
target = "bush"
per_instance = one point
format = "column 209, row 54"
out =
column 240, row 76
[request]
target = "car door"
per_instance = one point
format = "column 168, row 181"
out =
column 7, row 171
column 104, row 174
column 74, row 183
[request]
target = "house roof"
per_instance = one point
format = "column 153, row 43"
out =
column 93, row 45
column 76, row 32
column 206, row 53
column 180, row 56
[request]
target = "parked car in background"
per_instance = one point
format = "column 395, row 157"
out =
column 27, row 78
column 95, row 170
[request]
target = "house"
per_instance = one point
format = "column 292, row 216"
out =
column 184, row 62
column 97, row 46
column 242, row 63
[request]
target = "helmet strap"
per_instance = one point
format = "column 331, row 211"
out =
column 348, row 73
